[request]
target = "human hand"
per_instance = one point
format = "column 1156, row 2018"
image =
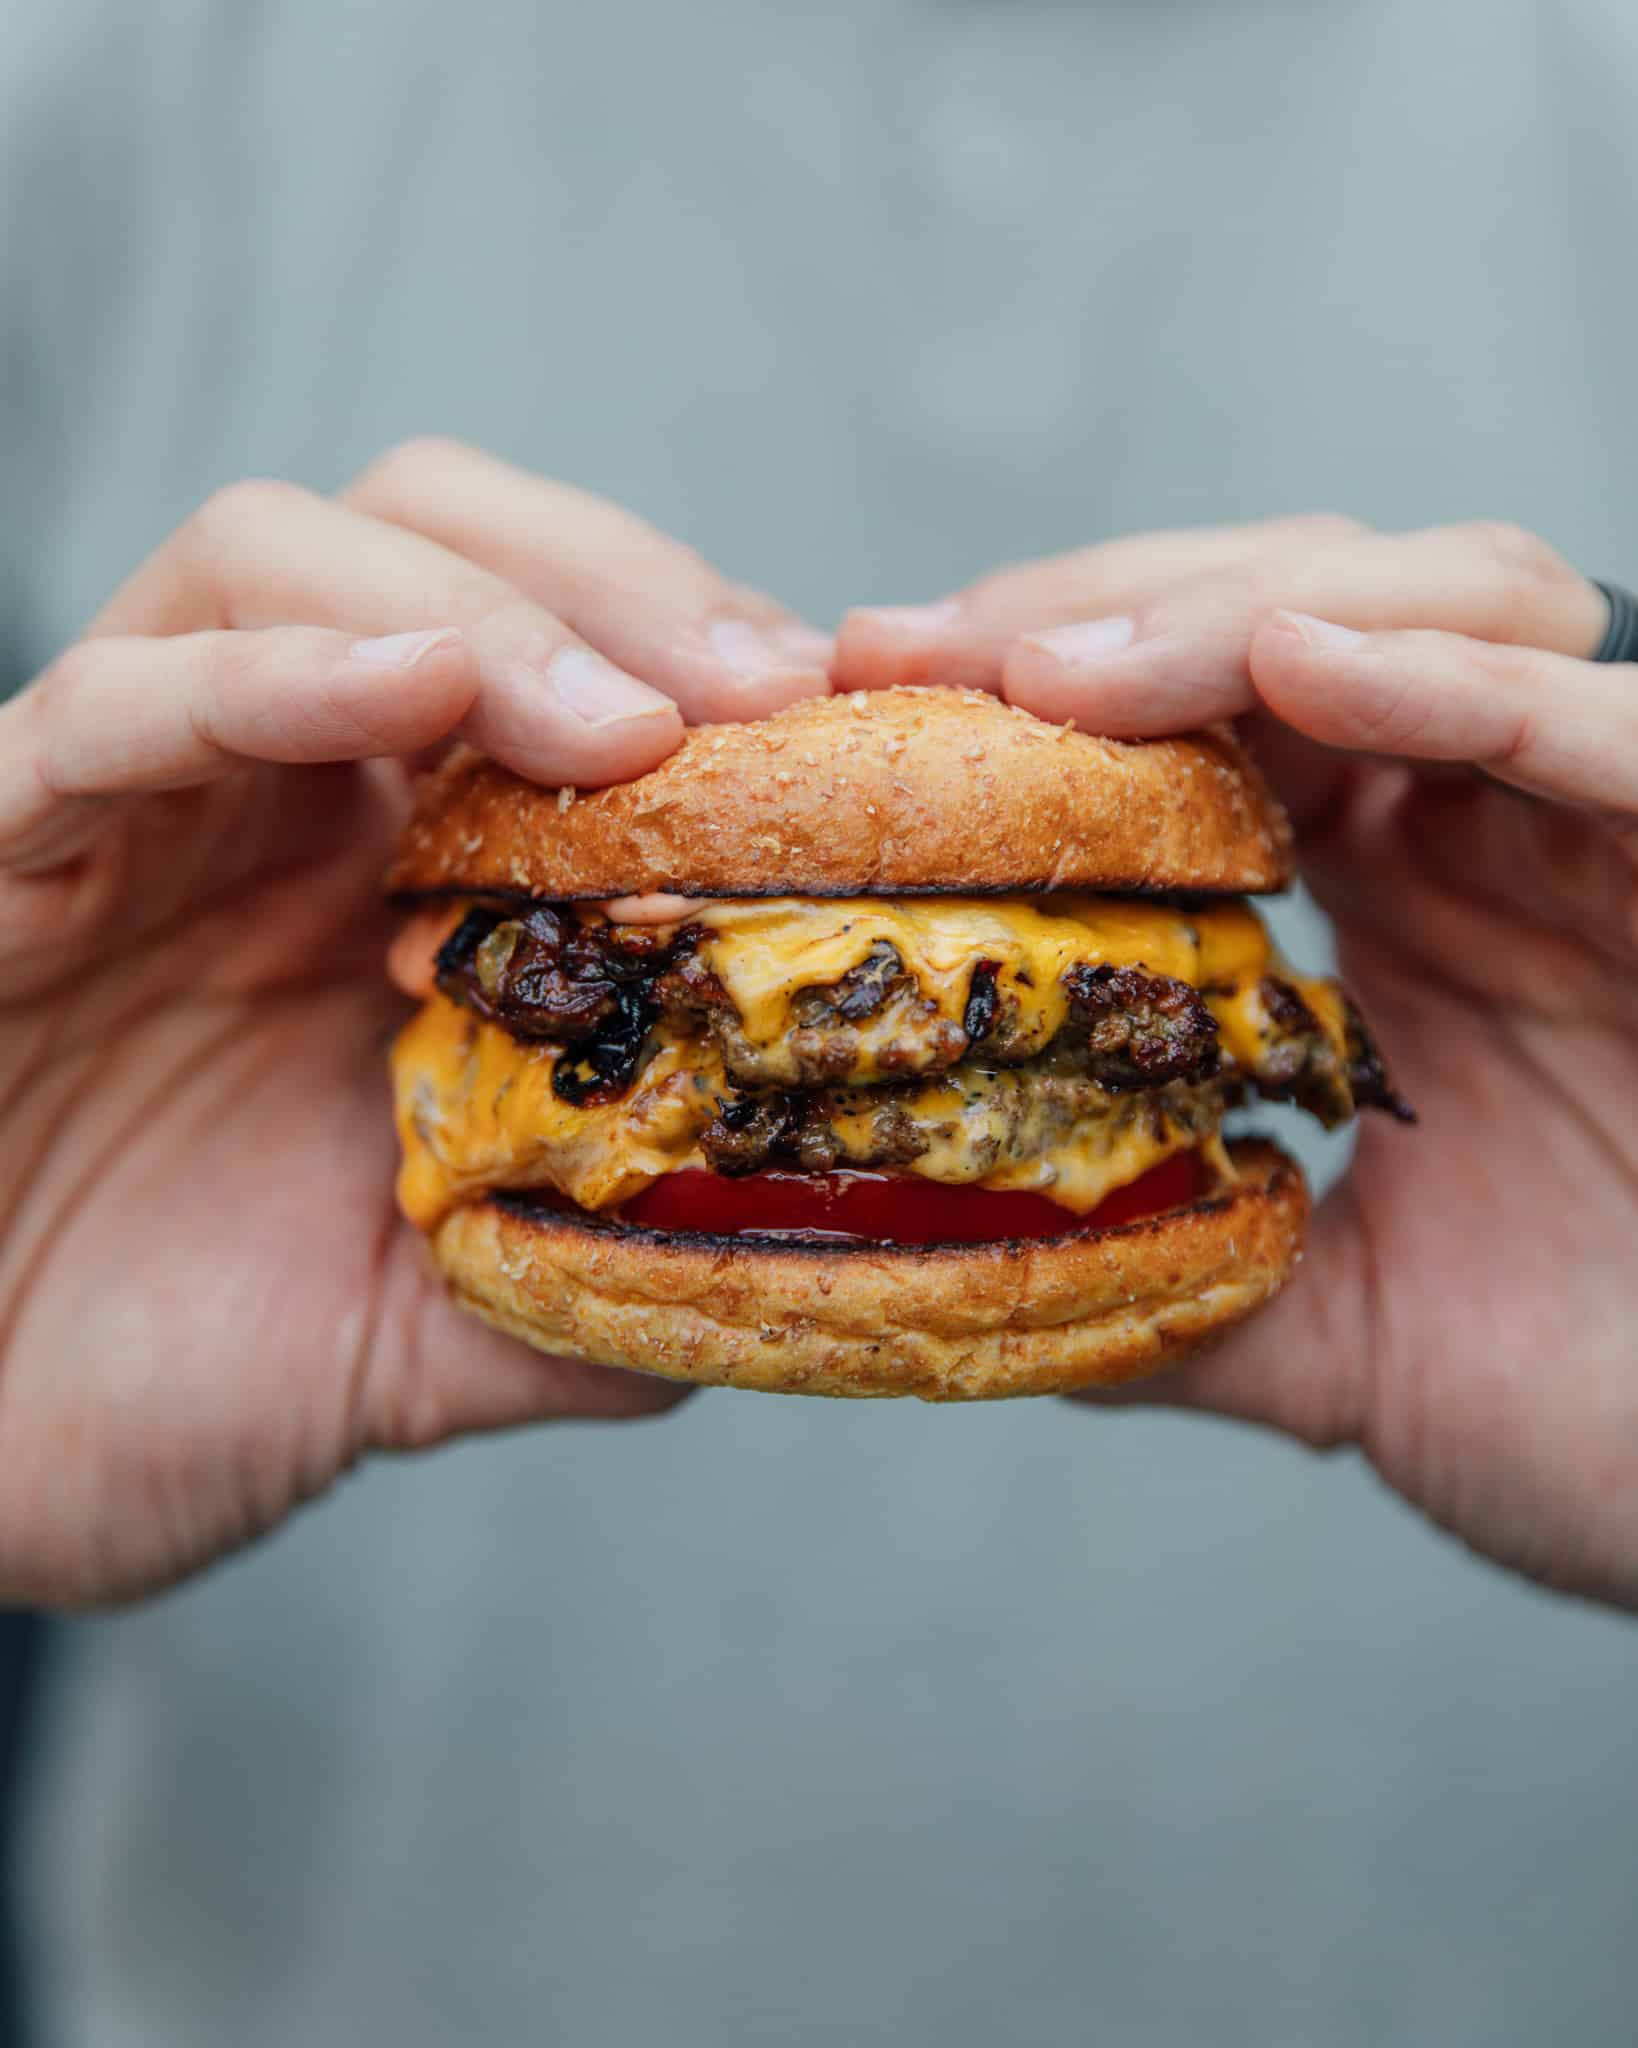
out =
column 208, row 1304
column 1464, row 784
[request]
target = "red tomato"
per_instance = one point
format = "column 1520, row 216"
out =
column 892, row 1208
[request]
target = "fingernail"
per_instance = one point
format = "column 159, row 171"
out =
column 597, row 692
column 912, row 618
column 401, row 650
column 1086, row 642
column 1320, row 633
column 758, row 651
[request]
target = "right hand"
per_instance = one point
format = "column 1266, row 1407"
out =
column 208, row 1305
column 1464, row 785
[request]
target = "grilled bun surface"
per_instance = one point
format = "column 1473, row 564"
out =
column 943, row 1322
column 901, row 792
column 611, row 1000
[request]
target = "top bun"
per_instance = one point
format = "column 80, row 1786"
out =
column 887, row 793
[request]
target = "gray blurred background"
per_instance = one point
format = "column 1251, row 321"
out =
column 782, row 1721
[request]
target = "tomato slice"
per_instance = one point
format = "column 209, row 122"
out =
column 892, row 1208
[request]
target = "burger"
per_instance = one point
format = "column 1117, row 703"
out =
column 880, row 1047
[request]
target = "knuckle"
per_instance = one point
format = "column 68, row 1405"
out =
column 990, row 590
column 1328, row 526
column 226, row 663
column 1515, row 550
column 24, row 723
column 1392, row 720
column 720, row 600
column 1502, row 664
column 406, row 469
column 62, row 695
column 71, row 674
column 1524, row 571
column 412, row 1415
column 244, row 507
column 620, row 543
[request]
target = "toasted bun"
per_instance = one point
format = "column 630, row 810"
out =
column 901, row 792
column 945, row 1322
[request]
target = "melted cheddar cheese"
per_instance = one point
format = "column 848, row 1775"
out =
column 476, row 1111
column 764, row 954
column 1245, row 1030
column 969, row 1119
column 476, row 1108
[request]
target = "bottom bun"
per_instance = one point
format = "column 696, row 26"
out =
column 963, row 1322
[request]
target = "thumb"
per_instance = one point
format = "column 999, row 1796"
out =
column 1300, row 1364
column 436, row 1372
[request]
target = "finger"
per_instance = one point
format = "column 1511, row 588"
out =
column 266, row 554
column 117, row 717
column 1548, row 863
column 437, row 1372
column 1299, row 1365
column 1180, row 660
column 1543, row 722
column 1523, row 902
column 962, row 639
column 1311, row 780
column 1366, row 865
column 647, row 601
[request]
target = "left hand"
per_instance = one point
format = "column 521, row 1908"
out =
column 209, row 1305
column 1464, row 785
